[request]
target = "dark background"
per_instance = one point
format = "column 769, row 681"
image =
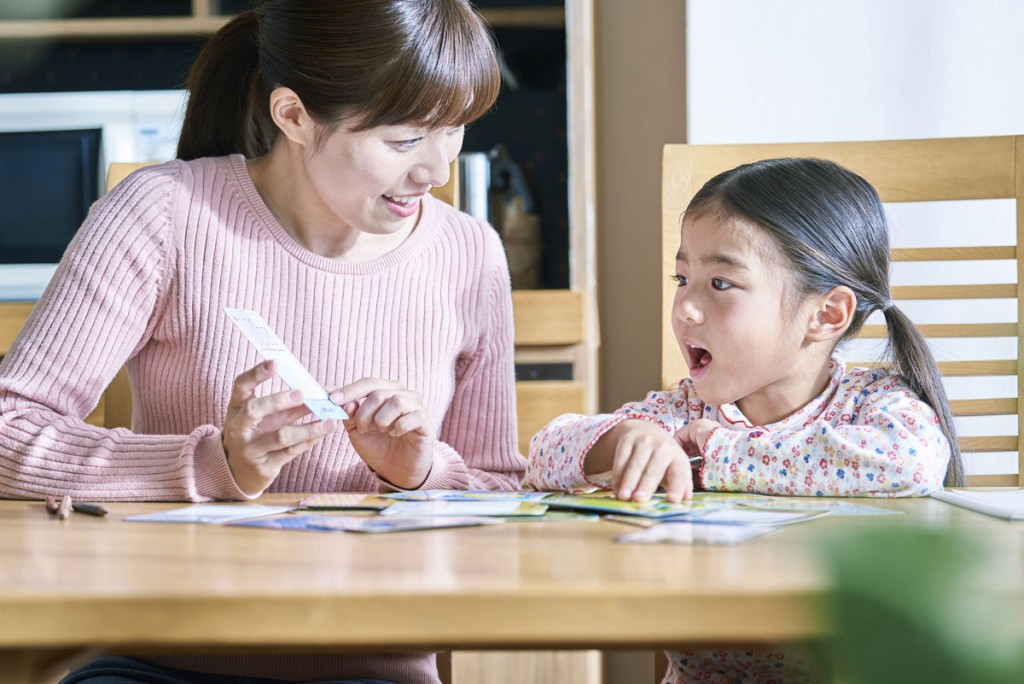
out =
column 529, row 120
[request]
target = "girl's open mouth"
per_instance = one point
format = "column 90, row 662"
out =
column 698, row 357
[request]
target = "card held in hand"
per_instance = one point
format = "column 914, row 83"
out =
column 291, row 370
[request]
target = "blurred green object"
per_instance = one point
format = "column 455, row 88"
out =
column 910, row 605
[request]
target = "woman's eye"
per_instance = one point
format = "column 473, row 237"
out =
column 406, row 144
column 720, row 284
column 680, row 280
column 456, row 130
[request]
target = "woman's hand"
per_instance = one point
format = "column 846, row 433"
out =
column 390, row 430
column 260, row 435
column 645, row 457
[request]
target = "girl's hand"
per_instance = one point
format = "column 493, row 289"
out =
column 260, row 435
column 645, row 457
column 390, row 430
column 692, row 436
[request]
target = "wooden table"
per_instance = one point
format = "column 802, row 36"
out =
column 101, row 582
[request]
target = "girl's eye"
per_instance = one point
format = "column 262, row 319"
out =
column 455, row 130
column 680, row 280
column 720, row 284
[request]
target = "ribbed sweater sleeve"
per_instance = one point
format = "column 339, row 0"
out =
column 98, row 311
column 483, row 409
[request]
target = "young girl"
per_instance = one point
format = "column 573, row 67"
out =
column 779, row 262
column 313, row 134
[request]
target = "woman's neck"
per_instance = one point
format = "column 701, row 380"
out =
column 282, row 184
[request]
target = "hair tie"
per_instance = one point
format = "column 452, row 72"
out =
column 888, row 305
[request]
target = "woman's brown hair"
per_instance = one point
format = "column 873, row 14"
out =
column 831, row 226
column 370, row 62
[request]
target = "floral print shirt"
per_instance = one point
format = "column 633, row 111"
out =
column 866, row 434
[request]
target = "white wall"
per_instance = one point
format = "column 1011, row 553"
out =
column 809, row 70
column 821, row 70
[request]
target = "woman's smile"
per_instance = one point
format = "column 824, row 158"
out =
column 403, row 206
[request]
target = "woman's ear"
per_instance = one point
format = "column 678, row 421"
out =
column 832, row 314
column 291, row 117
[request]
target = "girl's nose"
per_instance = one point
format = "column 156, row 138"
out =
column 687, row 311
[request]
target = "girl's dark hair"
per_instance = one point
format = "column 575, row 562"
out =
column 830, row 226
column 371, row 62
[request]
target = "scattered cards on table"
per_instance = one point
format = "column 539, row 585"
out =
column 709, row 518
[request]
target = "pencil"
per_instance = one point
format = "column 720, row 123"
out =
column 65, row 507
column 88, row 508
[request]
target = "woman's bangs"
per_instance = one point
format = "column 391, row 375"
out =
column 447, row 76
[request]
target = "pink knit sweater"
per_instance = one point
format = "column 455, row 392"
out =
column 145, row 283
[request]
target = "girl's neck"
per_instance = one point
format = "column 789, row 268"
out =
column 809, row 377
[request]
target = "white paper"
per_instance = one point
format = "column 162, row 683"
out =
column 1000, row 503
column 210, row 513
column 291, row 370
column 693, row 533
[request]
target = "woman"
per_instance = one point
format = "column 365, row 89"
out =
column 313, row 134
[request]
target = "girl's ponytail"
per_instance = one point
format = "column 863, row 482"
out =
column 913, row 361
column 227, row 109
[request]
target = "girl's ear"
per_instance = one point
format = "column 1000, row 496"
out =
column 291, row 117
column 832, row 314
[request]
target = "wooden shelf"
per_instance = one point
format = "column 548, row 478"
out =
column 202, row 25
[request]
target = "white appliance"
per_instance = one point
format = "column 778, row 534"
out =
column 133, row 126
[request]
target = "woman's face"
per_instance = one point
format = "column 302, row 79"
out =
column 373, row 181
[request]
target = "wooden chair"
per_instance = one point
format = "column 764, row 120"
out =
column 904, row 172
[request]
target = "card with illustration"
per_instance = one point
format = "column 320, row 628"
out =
column 830, row 506
column 458, row 508
column 289, row 368
column 210, row 513
column 742, row 515
column 368, row 524
column 465, row 495
column 604, row 502
column 793, row 503
column 557, row 515
column 352, row 501
column 693, row 533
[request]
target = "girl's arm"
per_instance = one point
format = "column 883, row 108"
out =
column 561, row 453
column 100, row 309
column 879, row 440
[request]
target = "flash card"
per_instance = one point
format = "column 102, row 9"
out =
column 291, row 370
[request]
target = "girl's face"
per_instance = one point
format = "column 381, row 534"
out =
column 373, row 181
column 734, row 320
